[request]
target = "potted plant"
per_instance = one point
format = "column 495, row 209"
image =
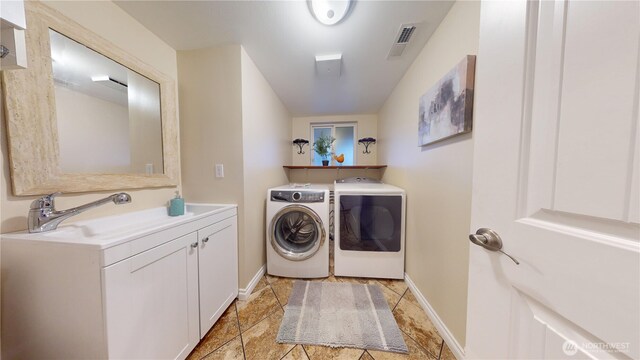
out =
column 322, row 146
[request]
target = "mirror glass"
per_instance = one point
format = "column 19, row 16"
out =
column 108, row 116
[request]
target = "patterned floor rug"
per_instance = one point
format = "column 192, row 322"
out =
column 340, row 315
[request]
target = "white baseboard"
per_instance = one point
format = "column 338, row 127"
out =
column 448, row 337
column 243, row 294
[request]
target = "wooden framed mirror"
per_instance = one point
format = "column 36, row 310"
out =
column 86, row 115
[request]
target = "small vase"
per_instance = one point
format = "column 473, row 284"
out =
column 325, row 162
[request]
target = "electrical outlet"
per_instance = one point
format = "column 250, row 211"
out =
column 219, row 170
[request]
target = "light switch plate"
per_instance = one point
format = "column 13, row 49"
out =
column 219, row 170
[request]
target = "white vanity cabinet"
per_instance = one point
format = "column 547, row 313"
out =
column 147, row 289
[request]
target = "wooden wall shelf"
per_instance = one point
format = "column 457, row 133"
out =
column 361, row 167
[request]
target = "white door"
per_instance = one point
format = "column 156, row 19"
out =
column 556, row 177
column 218, row 270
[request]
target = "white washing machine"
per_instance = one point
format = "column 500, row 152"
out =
column 298, row 231
column 369, row 229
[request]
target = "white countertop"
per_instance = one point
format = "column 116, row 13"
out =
column 109, row 231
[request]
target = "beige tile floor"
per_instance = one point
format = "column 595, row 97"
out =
column 248, row 329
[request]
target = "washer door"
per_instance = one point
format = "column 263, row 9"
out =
column 296, row 232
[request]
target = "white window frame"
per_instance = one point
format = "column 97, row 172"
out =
column 333, row 126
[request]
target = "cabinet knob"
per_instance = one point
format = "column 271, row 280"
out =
column 205, row 239
column 194, row 245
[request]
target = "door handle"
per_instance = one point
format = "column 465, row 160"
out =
column 205, row 239
column 489, row 240
column 194, row 245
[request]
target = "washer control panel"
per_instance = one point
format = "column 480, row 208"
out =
column 297, row 196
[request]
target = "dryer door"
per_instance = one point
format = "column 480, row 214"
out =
column 297, row 232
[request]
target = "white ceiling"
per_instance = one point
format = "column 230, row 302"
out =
column 283, row 38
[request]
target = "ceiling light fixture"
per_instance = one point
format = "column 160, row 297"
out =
column 329, row 12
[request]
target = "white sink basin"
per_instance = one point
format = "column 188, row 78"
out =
column 112, row 230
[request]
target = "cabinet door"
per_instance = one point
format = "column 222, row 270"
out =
column 12, row 15
column 151, row 302
column 12, row 36
column 218, row 270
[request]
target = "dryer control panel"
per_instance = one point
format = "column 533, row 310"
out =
column 296, row 196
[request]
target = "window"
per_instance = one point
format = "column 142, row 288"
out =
column 345, row 135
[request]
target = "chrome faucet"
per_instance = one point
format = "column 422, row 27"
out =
column 44, row 217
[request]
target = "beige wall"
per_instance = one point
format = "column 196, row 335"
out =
column 88, row 122
column 145, row 126
column 328, row 176
column 266, row 126
column 210, row 91
column 211, row 123
column 437, row 177
column 367, row 126
column 231, row 116
column 99, row 17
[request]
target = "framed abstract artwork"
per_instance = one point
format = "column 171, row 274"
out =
column 446, row 109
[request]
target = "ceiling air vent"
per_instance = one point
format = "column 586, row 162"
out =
column 405, row 34
column 403, row 37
